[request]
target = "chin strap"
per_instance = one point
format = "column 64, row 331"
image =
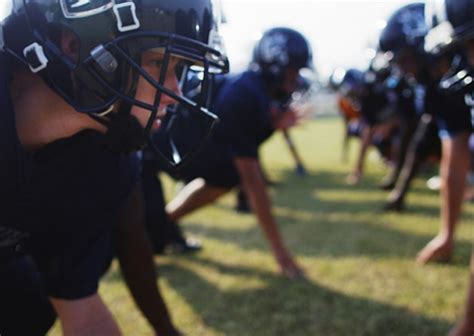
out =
column 124, row 133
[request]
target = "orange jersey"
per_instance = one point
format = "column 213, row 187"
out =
column 347, row 109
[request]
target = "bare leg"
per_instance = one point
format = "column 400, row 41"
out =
column 88, row 317
column 454, row 167
column 193, row 196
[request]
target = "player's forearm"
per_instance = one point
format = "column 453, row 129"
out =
column 136, row 260
column 454, row 168
column 364, row 145
column 452, row 194
column 261, row 204
column 292, row 147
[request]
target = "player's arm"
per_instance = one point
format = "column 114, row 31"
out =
column 136, row 260
column 300, row 169
column 254, row 185
column 365, row 141
column 283, row 120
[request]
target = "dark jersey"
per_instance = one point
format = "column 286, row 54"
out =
column 375, row 106
column 406, row 107
column 59, row 203
column 452, row 114
column 13, row 168
column 243, row 106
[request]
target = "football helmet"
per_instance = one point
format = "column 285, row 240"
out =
column 352, row 83
column 405, row 30
column 451, row 23
column 281, row 48
column 104, row 66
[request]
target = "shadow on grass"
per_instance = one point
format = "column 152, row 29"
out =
column 352, row 225
column 302, row 193
column 334, row 239
column 284, row 307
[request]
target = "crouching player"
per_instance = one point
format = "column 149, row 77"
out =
column 249, row 106
column 76, row 103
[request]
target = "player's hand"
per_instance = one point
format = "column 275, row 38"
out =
column 288, row 266
column 463, row 328
column 354, row 178
column 290, row 117
column 300, row 170
column 285, row 120
column 173, row 332
column 439, row 249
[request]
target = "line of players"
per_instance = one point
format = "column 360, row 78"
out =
column 76, row 107
column 414, row 103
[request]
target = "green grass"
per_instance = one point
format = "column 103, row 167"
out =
column 362, row 279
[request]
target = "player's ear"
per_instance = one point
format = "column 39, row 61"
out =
column 70, row 44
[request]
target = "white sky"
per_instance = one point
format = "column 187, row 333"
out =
column 340, row 31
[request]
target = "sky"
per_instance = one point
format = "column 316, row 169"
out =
column 340, row 32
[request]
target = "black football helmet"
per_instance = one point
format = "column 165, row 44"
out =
column 405, row 30
column 104, row 68
column 352, row 83
column 281, row 48
column 451, row 23
column 335, row 79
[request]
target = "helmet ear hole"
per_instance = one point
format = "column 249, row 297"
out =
column 70, row 45
column 64, row 43
column 67, row 42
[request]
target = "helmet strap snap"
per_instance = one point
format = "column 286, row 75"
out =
column 35, row 56
column 126, row 14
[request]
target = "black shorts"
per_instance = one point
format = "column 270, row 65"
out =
column 24, row 305
column 75, row 272
column 453, row 116
column 452, row 123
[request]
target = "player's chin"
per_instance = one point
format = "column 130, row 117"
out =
column 156, row 125
column 143, row 116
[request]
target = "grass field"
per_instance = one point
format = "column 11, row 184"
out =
column 361, row 275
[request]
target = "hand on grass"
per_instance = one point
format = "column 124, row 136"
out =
column 172, row 332
column 354, row 178
column 439, row 249
column 288, row 266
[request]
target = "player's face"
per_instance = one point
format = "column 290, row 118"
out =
column 440, row 67
column 469, row 51
column 152, row 62
column 290, row 81
column 407, row 63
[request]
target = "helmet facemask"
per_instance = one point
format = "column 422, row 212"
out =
column 179, row 57
column 99, row 74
